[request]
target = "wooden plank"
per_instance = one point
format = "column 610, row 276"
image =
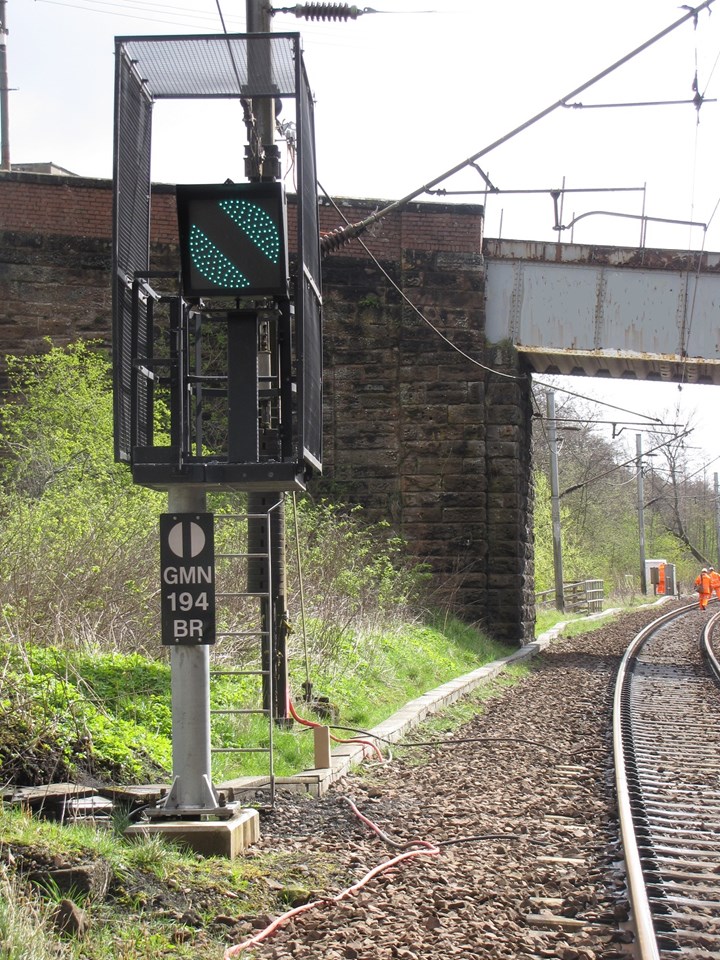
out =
column 49, row 792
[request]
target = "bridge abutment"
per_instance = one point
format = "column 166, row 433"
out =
column 418, row 428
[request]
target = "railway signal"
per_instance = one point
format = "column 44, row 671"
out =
column 233, row 239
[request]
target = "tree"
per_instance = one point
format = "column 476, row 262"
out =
column 598, row 496
column 677, row 496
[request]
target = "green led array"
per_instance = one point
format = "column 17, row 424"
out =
column 212, row 263
column 256, row 224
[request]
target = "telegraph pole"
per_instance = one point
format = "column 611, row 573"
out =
column 717, row 520
column 641, row 513
column 555, row 500
column 259, row 19
column 4, row 91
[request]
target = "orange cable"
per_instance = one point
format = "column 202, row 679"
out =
column 312, row 723
column 427, row 849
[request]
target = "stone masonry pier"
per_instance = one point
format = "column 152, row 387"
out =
column 434, row 442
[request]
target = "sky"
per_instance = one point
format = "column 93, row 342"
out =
column 409, row 92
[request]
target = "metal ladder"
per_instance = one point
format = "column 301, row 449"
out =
column 262, row 636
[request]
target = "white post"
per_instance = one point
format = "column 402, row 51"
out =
column 641, row 512
column 555, row 504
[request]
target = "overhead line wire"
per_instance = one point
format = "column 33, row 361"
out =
column 602, row 403
column 335, row 239
column 417, row 310
column 619, row 466
column 156, row 6
column 121, row 12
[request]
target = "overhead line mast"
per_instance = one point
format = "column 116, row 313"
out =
column 4, row 91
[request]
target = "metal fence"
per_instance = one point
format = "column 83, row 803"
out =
column 581, row 596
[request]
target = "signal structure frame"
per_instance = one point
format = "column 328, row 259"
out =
column 268, row 381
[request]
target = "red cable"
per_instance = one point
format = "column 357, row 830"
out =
column 427, row 850
column 312, row 723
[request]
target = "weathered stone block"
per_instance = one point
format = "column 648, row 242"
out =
column 403, row 410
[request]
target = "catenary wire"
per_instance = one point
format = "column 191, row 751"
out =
column 613, row 469
column 611, row 406
column 353, row 229
column 408, row 301
column 193, row 21
column 619, row 466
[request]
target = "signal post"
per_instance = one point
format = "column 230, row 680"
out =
column 232, row 345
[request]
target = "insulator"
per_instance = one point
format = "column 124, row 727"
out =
column 337, row 238
column 325, row 11
column 332, row 241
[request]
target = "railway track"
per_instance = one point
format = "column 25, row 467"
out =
column 667, row 761
column 520, row 805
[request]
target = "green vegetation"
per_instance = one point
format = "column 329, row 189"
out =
column 84, row 683
column 24, row 922
column 160, row 900
column 69, row 713
column 77, row 553
column 598, row 486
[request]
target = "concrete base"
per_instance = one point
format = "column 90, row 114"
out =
column 211, row 838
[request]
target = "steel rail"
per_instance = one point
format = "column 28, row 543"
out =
column 707, row 650
column 647, row 947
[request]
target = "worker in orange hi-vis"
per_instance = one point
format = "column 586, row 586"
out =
column 703, row 588
column 714, row 581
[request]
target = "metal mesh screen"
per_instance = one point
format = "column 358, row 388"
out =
column 309, row 282
column 232, row 65
column 218, row 66
column 131, row 229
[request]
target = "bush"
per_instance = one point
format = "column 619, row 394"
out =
column 77, row 554
column 79, row 597
column 358, row 579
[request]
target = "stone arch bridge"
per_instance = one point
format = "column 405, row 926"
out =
column 427, row 418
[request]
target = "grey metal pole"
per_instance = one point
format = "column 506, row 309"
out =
column 259, row 20
column 641, row 512
column 4, row 91
column 555, row 500
column 190, row 684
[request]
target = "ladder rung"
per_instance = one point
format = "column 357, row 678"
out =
column 242, row 516
column 239, row 673
column 241, row 556
column 227, row 713
column 256, row 634
column 245, row 593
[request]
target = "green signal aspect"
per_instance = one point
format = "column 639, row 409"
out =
column 212, row 263
column 256, row 224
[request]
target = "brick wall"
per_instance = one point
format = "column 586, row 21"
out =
column 416, row 432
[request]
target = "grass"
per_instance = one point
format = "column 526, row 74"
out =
column 24, row 922
column 164, row 900
column 374, row 679
column 67, row 713
column 441, row 724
